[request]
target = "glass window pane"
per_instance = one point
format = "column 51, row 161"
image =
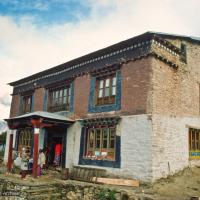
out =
column 29, row 100
column 68, row 91
column 112, row 138
column 100, row 93
column 65, row 92
column 101, row 84
column 98, row 137
column 61, row 93
column 107, row 92
column 114, row 81
column 60, row 100
column 107, row 82
column 193, row 140
column 105, row 139
column 56, row 101
column 64, row 100
column 56, row 94
column 68, row 100
column 105, row 142
column 91, row 139
column 113, row 90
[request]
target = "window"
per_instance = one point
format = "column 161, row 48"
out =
column 101, row 143
column 199, row 95
column 59, row 99
column 194, row 143
column 26, row 103
column 183, row 53
column 25, row 140
column 106, row 90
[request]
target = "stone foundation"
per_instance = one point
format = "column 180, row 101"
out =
column 68, row 190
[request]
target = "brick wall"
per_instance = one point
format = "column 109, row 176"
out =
column 175, row 109
column 14, row 110
column 148, row 86
column 176, row 92
column 170, row 150
column 39, row 99
column 81, row 95
column 136, row 87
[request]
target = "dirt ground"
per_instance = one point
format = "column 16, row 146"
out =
column 182, row 186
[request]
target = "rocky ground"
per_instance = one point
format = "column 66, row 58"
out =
column 181, row 186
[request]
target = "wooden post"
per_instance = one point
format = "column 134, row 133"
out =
column 36, row 125
column 35, row 152
column 9, row 164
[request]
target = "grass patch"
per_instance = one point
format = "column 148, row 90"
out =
column 106, row 195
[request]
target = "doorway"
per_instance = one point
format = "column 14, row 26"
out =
column 55, row 138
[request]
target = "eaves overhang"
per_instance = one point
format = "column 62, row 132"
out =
column 44, row 117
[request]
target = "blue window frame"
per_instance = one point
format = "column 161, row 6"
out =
column 105, row 94
column 85, row 160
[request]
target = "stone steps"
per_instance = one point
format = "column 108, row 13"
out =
column 48, row 192
column 44, row 196
column 40, row 190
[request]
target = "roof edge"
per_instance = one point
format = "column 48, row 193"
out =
column 102, row 51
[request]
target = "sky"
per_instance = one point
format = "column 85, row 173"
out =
column 38, row 34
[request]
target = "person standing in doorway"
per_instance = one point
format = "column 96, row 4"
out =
column 58, row 152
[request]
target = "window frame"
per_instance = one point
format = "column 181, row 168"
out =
column 95, row 152
column 26, row 107
column 101, row 85
column 194, row 143
column 25, row 139
column 63, row 99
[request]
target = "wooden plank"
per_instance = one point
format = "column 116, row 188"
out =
column 112, row 181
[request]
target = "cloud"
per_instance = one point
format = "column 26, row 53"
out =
column 26, row 48
column 5, row 100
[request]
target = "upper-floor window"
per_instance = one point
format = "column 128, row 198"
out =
column 26, row 103
column 59, row 99
column 106, row 90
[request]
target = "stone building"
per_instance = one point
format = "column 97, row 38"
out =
column 132, row 108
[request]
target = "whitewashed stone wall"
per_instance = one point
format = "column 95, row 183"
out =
column 136, row 147
column 152, row 146
column 170, row 144
column 73, row 144
column 7, row 143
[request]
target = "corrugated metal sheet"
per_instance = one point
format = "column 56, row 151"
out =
column 43, row 114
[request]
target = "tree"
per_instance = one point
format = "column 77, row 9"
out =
column 3, row 140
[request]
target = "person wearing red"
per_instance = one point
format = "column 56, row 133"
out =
column 58, row 152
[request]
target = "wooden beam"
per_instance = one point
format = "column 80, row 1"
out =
column 35, row 152
column 36, row 123
column 112, row 181
column 9, row 164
